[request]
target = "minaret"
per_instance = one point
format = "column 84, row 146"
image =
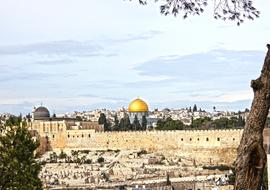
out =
column 32, row 114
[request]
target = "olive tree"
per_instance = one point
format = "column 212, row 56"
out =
column 233, row 10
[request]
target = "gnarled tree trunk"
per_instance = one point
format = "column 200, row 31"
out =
column 251, row 156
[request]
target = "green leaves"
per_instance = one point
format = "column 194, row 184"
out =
column 18, row 167
column 169, row 124
column 232, row 10
column 103, row 121
column 221, row 123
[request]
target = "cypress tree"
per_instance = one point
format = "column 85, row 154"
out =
column 194, row 108
column 144, row 122
column 136, row 123
column 124, row 124
column 102, row 120
column 116, row 122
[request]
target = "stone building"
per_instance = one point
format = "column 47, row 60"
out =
column 51, row 129
column 138, row 108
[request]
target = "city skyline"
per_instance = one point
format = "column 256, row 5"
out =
column 89, row 55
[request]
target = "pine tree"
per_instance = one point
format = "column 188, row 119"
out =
column 18, row 167
column 13, row 121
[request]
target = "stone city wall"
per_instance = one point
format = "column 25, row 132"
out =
column 155, row 140
column 211, row 146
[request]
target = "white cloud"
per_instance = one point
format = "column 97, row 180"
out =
column 235, row 96
column 110, row 43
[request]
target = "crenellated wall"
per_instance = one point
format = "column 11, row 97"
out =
column 152, row 139
column 217, row 146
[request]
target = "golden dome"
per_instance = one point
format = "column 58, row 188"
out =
column 138, row 105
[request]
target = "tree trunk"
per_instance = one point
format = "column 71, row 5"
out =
column 251, row 156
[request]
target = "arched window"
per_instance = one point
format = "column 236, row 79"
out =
column 207, row 139
column 190, row 139
column 89, row 135
column 218, row 139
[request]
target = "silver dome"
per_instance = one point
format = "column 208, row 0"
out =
column 41, row 113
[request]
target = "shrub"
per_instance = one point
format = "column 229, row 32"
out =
column 142, row 152
column 100, row 160
column 62, row 155
column 88, row 161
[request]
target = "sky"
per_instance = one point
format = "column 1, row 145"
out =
column 75, row 55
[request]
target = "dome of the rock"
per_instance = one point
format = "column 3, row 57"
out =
column 138, row 105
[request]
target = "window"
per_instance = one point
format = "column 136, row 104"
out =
column 182, row 139
column 68, row 136
column 207, row 139
column 233, row 139
column 218, row 139
column 82, row 135
column 190, row 139
column 52, row 136
column 198, row 139
column 89, row 135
